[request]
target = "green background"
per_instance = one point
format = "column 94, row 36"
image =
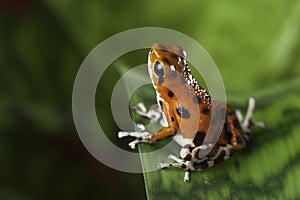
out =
column 255, row 44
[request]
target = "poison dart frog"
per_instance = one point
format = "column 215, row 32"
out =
column 185, row 111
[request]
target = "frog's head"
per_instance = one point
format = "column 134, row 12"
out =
column 165, row 62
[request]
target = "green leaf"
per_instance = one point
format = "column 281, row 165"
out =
column 269, row 167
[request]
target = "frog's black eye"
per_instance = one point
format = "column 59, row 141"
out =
column 158, row 69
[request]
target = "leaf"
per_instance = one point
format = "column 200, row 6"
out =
column 269, row 167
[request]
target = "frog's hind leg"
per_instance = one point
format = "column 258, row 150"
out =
column 246, row 123
column 218, row 154
column 179, row 163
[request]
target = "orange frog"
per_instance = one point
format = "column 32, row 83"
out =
column 186, row 111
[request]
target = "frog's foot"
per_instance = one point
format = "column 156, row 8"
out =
column 142, row 137
column 155, row 115
column 246, row 123
column 179, row 163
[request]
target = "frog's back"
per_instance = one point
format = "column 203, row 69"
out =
column 190, row 102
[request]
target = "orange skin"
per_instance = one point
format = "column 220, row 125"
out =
column 176, row 88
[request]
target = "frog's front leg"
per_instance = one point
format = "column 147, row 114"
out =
column 165, row 132
column 138, row 135
column 155, row 115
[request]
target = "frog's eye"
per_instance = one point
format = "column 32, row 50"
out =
column 158, row 69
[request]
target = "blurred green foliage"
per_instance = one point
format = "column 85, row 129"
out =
column 42, row 44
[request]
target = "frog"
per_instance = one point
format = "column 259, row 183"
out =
column 185, row 111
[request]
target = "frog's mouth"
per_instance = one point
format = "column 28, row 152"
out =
column 150, row 67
